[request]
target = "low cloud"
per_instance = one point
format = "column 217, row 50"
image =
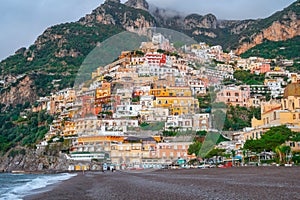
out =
column 22, row 21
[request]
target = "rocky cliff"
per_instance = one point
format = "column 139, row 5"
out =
column 48, row 160
column 286, row 27
column 197, row 21
column 57, row 54
column 60, row 50
column 239, row 35
column 115, row 13
column 138, row 4
column 32, row 160
column 20, row 90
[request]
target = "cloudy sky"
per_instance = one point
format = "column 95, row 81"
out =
column 22, row 21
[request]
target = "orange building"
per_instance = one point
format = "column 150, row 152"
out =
column 261, row 69
column 103, row 98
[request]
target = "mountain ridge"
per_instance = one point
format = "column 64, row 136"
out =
column 58, row 53
column 242, row 34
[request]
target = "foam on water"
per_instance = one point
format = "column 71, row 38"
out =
column 27, row 186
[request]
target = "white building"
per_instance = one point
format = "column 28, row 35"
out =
column 201, row 122
column 275, row 86
column 154, row 114
column 146, row 101
column 184, row 123
column 127, row 111
column 197, row 86
column 155, row 70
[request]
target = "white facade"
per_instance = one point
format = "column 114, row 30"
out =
column 127, row 111
column 197, row 87
column 182, row 122
column 154, row 114
column 155, row 70
column 147, row 101
column 275, row 86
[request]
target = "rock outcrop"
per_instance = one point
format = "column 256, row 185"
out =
column 114, row 13
column 138, row 4
column 278, row 31
column 281, row 26
column 20, row 91
column 67, row 44
column 33, row 161
column 197, row 21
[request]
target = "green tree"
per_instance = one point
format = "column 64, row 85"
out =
column 276, row 136
column 201, row 133
column 233, row 154
column 281, row 151
column 247, row 78
column 215, row 152
column 195, row 148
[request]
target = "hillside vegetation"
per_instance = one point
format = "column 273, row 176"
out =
column 288, row 49
column 57, row 54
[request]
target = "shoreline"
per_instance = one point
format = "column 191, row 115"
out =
column 39, row 172
column 150, row 169
column 220, row 183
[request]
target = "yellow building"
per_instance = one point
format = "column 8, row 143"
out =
column 69, row 128
column 104, row 91
column 177, row 105
column 87, row 126
column 287, row 112
column 290, row 104
column 178, row 100
column 61, row 100
column 95, row 143
column 172, row 92
column 126, row 153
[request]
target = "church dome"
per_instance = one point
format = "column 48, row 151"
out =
column 292, row 89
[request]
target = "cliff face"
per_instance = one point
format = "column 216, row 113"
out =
column 20, row 91
column 60, row 50
column 115, row 13
column 138, row 4
column 197, row 21
column 239, row 35
column 235, row 27
column 288, row 27
column 33, row 161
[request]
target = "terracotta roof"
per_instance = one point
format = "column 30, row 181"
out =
column 292, row 89
column 276, row 108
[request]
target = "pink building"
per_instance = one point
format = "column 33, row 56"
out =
column 173, row 150
column 234, row 95
column 261, row 69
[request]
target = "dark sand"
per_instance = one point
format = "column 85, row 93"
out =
column 233, row 183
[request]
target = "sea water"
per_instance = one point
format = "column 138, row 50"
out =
column 17, row 186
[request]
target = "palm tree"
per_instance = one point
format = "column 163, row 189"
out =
column 233, row 157
column 281, row 151
column 244, row 155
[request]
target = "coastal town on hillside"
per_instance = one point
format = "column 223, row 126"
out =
column 147, row 109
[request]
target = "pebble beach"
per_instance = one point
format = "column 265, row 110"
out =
column 216, row 183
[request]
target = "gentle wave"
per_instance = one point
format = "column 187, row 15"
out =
column 33, row 185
